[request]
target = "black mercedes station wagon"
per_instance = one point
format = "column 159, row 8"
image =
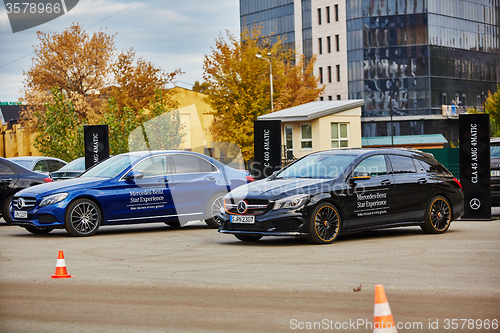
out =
column 331, row 192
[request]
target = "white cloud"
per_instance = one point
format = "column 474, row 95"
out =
column 170, row 33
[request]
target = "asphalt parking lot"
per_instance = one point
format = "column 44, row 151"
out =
column 154, row 278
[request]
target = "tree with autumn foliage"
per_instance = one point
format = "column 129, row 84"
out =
column 136, row 81
column 92, row 85
column 75, row 63
column 239, row 85
column 60, row 132
column 491, row 107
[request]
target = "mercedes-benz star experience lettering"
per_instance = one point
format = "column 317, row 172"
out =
column 138, row 187
column 331, row 192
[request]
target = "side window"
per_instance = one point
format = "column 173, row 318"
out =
column 374, row 165
column 402, row 164
column 41, row 166
column 6, row 170
column 153, row 166
column 185, row 163
column 54, row 165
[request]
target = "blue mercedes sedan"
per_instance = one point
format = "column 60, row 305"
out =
column 173, row 187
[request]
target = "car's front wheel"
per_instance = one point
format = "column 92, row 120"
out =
column 83, row 218
column 324, row 224
column 38, row 231
column 437, row 216
column 214, row 205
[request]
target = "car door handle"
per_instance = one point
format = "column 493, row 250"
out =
column 163, row 180
column 386, row 182
column 209, row 178
column 6, row 180
column 422, row 181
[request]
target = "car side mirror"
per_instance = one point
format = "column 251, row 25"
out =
column 360, row 175
column 133, row 175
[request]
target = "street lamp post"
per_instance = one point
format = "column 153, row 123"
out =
column 270, row 76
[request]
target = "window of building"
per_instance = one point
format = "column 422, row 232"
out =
column 338, row 98
column 329, row 44
column 329, row 74
column 319, row 16
column 320, row 98
column 338, row 73
column 340, row 135
column 320, row 46
column 306, row 136
column 336, row 13
column 464, row 100
column 327, row 14
column 337, row 42
column 445, row 100
column 321, row 75
column 330, row 98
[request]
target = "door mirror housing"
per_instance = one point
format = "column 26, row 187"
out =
column 360, row 175
column 133, row 175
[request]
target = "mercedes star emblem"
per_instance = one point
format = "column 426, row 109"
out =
column 475, row 203
column 242, row 207
column 20, row 203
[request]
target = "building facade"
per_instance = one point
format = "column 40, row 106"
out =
column 416, row 63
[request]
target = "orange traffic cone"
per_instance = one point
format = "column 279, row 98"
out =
column 382, row 317
column 61, row 272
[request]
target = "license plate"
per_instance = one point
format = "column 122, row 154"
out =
column 495, row 173
column 242, row 219
column 20, row 214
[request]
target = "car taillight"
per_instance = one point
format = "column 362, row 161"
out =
column 48, row 180
column 458, row 182
column 250, row 178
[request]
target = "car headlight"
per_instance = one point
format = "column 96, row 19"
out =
column 293, row 202
column 52, row 199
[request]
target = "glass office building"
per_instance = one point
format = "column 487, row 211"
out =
column 408, row 59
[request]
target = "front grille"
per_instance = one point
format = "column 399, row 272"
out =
column 23, row 203
column 246, row 206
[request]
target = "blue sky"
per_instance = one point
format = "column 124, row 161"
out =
column 170, row 33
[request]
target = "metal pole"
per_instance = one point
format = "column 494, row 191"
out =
column 271, row 80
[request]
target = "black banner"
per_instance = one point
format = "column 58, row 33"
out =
column 96, row 144
column 475, row 165
column 267, row 148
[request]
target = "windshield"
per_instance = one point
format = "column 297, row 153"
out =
column 76, row 165
column 111, row 167
column 318, row 166
column 495, row 152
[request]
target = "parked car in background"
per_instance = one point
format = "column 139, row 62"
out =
column 330, row 192
column 13, row 178
column 70, row 170
column 173, row 187
column 39, row 163
column 495, row 171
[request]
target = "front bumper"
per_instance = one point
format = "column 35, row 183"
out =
column 279, row 223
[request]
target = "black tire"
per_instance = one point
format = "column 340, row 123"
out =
column 6, row 210
column 83, row 218
column 212, row 211
column 38, row 231
column 437, row 216
column 324, row 224
column 247, row 238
